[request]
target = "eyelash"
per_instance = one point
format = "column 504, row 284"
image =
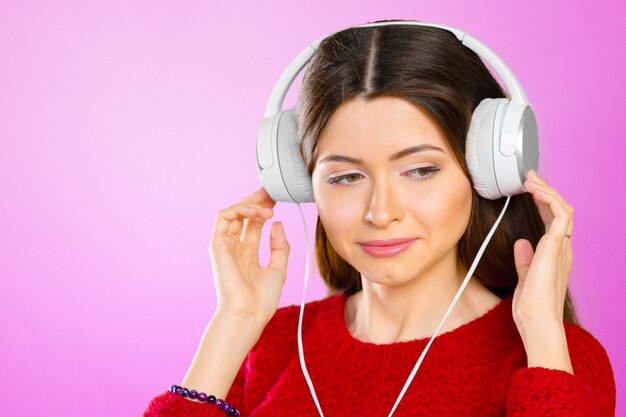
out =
column 431, row 169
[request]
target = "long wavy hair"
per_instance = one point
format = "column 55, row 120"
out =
column 431, row 68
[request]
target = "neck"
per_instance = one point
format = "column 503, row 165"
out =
column 388, row 314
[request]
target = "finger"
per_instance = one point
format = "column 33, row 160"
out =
column 523, row 253
column 568, row 266
column 559, row 224
column 556, row 205
column 253, row 228
column 568, row 237
column 534, row 177
column 279, row 248
column 546, row 213
column 570, row 226
column 566, row 245
column 255, row 211
column 229, row 221
column 259, row 196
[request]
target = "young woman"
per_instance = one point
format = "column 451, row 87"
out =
column 383, row 115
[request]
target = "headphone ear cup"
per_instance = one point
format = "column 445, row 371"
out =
column 292, row 167
column 479, row 147
column 280, row 166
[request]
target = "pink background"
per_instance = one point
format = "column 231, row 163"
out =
column 126, row 126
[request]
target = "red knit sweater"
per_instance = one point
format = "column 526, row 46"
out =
column 477, row 369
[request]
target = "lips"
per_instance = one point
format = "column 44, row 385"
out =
column 387, row 248
column 388, row 242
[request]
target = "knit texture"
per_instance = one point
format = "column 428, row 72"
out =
column 477, row 369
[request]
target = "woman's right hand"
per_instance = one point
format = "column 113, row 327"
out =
column 243, row 286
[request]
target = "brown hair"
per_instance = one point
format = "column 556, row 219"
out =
column 430, row 67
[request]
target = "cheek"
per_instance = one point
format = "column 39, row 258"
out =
column 333, row 206
column 446, row 210
column 337, row 212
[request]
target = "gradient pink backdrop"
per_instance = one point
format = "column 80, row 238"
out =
column 126, row 126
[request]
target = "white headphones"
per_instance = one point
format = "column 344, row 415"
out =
column 501, row 144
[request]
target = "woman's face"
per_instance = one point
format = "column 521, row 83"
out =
column 363, row 192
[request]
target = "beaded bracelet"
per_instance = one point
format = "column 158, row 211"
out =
column 201, row 396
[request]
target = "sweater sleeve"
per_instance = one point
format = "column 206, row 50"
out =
column 168, row 404
column 590, row 391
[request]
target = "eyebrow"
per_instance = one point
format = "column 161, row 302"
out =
column 395, row 156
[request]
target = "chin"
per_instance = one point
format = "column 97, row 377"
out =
column 398, row 275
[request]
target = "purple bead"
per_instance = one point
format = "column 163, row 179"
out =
column 184, row 392
column 193, row 394
column 173, row 388
column 178, row 389
column 233, row 412
column 202, row 396
column 211, row 399
column 222, row 405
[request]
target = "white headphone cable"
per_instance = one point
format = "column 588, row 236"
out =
column 300, row 348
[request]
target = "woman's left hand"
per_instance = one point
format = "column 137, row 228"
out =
column 539, row 297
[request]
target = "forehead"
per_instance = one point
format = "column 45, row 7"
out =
column 383, row 124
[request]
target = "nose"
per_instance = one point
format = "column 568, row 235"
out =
column 384, row 206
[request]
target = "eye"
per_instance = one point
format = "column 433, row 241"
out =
column 337, row 180
column 429, row 171
column 420, row 174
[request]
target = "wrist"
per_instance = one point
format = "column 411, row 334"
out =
column 238, row 326
column 255, row 311
column 546, row 346
column 194, row 395
column 224, row 345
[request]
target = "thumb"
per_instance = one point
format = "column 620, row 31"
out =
column 523, row 253
column 279, row 247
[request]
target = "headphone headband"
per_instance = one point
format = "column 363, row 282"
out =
column 501, row 142
column 277, row 97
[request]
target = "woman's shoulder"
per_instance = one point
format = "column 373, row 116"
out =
column 283, row 325
column 286, row 315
